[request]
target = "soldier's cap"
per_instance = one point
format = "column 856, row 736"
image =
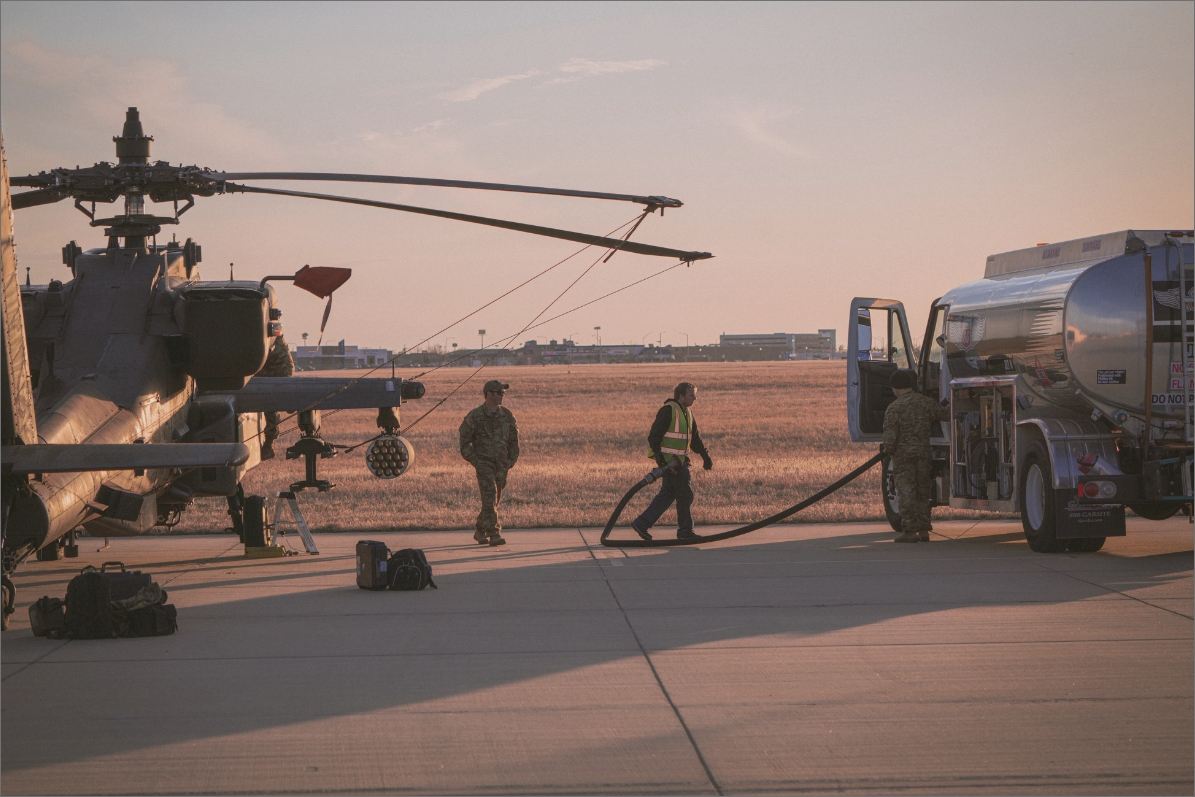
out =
column 904, row 378
column 494, row 386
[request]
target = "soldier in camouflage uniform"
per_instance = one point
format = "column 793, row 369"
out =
column 278, row 363
column 906, row 440
column 490, row 443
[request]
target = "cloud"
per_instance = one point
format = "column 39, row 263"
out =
column 586, row 67
column 751, row 124
column 580, row 68
column 431, row 126
column 478, row 87
column 77, row 94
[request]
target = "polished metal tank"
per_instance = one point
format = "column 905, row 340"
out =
column 1076, row 336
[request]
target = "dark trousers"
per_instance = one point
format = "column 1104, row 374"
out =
column 675, row 485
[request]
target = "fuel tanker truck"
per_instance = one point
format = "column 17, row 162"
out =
column 1069, row 374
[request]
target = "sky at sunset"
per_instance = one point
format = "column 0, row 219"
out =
column 823, row 151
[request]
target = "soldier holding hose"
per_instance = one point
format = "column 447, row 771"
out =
column 672, row 436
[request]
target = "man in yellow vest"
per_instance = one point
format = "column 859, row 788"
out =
column 672, row 436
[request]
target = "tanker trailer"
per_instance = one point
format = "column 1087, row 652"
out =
column 1070, row 378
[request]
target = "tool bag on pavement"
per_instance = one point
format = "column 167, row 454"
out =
column 47, row 615
column 89, row 607
column 372, row 559
column 145, row 614
column 409, row 570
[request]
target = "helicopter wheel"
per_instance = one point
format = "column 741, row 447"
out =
column 51, row 553
column 9, row 598
column 256, row 522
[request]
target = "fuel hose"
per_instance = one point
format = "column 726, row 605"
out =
column 725, row 535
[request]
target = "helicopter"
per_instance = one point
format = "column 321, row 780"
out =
column 135, row 386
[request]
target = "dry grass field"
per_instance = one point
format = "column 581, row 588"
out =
column 777, row 432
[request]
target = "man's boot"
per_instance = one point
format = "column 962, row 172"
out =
column 906, row 536
column 923, row 536
column 496, row 538
column 481, row 536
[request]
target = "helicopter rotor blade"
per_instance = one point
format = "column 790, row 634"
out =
column 29, row 199
column 650, row 201
column 549, row 232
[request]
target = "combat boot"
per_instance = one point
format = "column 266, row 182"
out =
column 923, row 536
column 906, row 536
column 496, row 538
column 481, row 536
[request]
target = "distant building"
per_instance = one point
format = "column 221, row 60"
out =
column 338, row 357
column 797, row 346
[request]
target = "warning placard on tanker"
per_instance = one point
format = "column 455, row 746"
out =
column 1110, row 377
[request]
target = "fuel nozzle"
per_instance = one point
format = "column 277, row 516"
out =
column 659, row 472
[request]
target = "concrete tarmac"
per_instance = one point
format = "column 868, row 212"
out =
column 808, row 658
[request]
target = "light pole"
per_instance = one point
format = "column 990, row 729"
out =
column 597, row 333
column 686, row 334
column 572, row 338
column 482, row 333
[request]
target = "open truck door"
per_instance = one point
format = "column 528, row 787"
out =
column 879, row 343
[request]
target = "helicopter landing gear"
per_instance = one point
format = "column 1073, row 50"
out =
column 9, row 595
column 71, row 548
column 51, row 553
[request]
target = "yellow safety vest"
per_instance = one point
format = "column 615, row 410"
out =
column 679, row 435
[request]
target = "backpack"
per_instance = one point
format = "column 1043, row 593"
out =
column 89, row 607
column 409, row 570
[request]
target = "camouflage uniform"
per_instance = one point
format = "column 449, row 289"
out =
column 278, row 363
column 906, row 439
column 490, row 443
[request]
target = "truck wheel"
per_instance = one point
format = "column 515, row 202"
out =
column 1156, row 511
column 1085, row 545
column 891, row 502
column 255, row 521
column 1037, row 502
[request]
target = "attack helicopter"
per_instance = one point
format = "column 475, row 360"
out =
column 135, row 386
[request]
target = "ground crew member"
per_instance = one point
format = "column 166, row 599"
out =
column 490, row 443
column 906, row 440
column 278, row 363
column 672, row 435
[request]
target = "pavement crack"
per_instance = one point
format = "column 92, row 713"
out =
column 655, row 673
column 1111, row 589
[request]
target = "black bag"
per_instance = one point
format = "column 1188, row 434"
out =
column 159, row 619
column 123, row 583
column 409, row 570
column 47, row 616
column 372, row 560
column 89, row 607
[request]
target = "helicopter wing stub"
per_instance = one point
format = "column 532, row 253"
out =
column 548, row 232
column 77, row 458
column 297, row 393
column 656, row 201
column 29, row 199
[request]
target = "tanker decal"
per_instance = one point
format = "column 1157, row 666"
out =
column 1166, row 310
column 1111, row 377
column 965, row 331
column 1047, row 322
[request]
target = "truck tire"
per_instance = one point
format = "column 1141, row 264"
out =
column 888, row 493
column 1156, row 511
column 254, row 521
column 1037, row 502
column 1085, row 544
